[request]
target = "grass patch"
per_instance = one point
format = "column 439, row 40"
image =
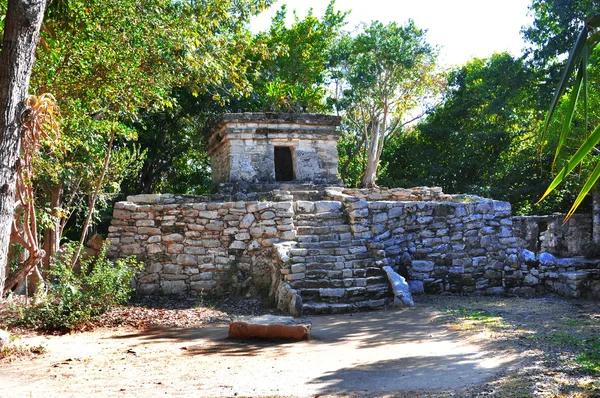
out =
column 589, row 357
column 462, row 318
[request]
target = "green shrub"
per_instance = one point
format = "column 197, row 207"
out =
column 74, row 299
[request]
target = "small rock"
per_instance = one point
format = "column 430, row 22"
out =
column 416, row 287
column 527, row 256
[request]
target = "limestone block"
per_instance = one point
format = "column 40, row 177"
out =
column 187, row 259
column 215, row 225
column 238, row 245
column 173, row 238
column 208, row 214
column 257, row 207
column 329, row 292
column 422, row 266
column 305, row 207
column 175, row 248
column 154, row 248
column 267, row 215
column 203, row 286
column 148, row 231
column 247, row 221
column 146, row 289
column 173, row 287
column 132, row 249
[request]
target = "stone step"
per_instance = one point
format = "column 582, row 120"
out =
column 323, row 230
column 316, row 307
column 330, row 290
column 332, row 223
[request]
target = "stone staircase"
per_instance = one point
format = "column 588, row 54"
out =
column 338, row 272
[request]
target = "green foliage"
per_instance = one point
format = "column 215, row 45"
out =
column 579, row 59
column 381, row 74
column 76, row 298
column 292, row 76
column 105, row 61
column 172, row 141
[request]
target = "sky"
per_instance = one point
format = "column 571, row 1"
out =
column 463, row 29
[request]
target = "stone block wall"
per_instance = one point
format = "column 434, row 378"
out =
column 242, row 147
column 327, row 255
column 548, row 234
column 199, row 248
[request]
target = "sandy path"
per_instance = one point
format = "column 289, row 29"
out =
column 361, row 354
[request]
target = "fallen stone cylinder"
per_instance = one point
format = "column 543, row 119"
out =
column 270, row 327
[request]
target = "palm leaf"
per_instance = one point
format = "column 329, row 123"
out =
column 587, row 187
column 570, row 110
column 573, row 60
column 581, row 153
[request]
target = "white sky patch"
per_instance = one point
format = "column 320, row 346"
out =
column 462, row 29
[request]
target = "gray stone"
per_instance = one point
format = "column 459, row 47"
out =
column 531, row 280
column 527, row 256
column 173, row 287
column 546, row 259
column 416, row 287
column 402, row 296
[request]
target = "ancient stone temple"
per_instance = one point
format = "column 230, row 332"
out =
column 267, row 149
column 279, row 224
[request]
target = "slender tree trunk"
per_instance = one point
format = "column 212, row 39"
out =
column 21, row 35
column 596, row 217
column 52, row 235
column 370, row 176
column 93, row 201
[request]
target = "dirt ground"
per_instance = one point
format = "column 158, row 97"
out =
column 446, row 346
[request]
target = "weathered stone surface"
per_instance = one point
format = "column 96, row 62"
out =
column 527, row 256
column 416, row 287
column 173, row 287
column 402, row 296
column 337, row 247
column 546, row 259
column 270, row 327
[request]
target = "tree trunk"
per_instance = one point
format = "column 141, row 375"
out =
column 52, row 235
column 596, row 217
column 21, row 35
column 370, row 177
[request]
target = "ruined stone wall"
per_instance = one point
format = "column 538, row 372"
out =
column 242, row 147
column 327, row 255
column 199, row 248
column 548, row 234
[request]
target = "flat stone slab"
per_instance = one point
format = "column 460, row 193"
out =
column 270, row 327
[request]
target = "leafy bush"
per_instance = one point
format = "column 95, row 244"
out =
column 75, row 298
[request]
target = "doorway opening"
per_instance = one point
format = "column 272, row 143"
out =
column 284, row 164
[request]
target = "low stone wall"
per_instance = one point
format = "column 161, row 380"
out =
column 199, row 248
column 548, row 234
column 328, row 255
